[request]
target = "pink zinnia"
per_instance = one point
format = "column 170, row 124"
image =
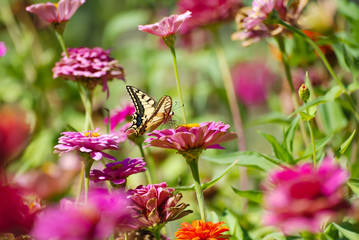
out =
column 91, row 67
column 208, row 12
column 167, row 26
column 156, row 204
column 3, row 49
column 56, row 13
column 117, row 172
column 252, row 81
column 303, row 197
column 192, row 137
column 95, row 219
column 119, row 116
column 89, row 142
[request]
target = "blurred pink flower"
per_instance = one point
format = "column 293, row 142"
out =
column 117, row 172
column 15, row 216
column 156, row 205
column 208, row 12
column 258, row 22
column 252, row 81
column 52, row 180
column 192, row 137
column 14, row 133
column 95, row 219
column 303, row 197
column 3, row 49
column 167, row 26
column 91, row 67
column 119, row 116
column 89, row 142
column 56, row 13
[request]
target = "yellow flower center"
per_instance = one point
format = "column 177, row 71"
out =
column 91, row 134
column 56, row 4
column 189, row 125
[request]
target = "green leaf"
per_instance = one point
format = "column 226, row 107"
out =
column 275, row 236
column 332, row 117
column 330, row 233
column 213, row 217
column 235, row 229
column 347, row 233
column 245, row 159
column 207, row 184
column 348, row 8
column 290, row 133
column 279, row 151
column 254, row 196
column 333, row 93
column 279, row 118
column 317, row 101
column 345, row 145
column 305, row 116
column 353, row 183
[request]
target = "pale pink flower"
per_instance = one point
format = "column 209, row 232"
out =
column 301, row 198
column 3, row 49
column 56, row 13
column 167, row 26
column 89, row 142
column 192, row 136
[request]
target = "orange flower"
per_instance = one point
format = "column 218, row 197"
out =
column 200, row 230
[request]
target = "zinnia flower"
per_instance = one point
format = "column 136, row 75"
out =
column 208, row 12
column 117, row 172
column 95, row 219
column 252, row 81
column 119, row 116
column 259, row 22
column 15, row 216
column 303, row 197
column 192, row 137
column 56, row 13
column 3, row 49
column 156, row 204
column 89, row 142
column 200, row 230
column 91, row 67
column 167, row 26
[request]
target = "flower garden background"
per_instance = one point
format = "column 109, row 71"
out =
column 189, row 119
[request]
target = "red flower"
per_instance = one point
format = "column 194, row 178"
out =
column 202, row 231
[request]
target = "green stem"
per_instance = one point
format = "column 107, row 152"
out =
column 81, row 182
column 228, row 84
column 60, row 37
column 157, row 233
column 86, row 97
column 173, row 51
column 88, row 164
column 326, row 63
column 313, row 145
column 285, row 61
column 193, row 164
column 150, row 173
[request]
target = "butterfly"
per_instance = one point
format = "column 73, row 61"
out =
column 149, row 114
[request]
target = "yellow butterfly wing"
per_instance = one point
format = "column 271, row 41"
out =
column 148, row 114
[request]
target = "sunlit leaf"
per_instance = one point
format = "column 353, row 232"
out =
column 353, row 183
column 279, row 151
column 343, row 147
column 254, row 196
column 351, row 235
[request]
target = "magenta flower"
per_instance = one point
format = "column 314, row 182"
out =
column 252, row 81
column 117, row 172
column 259, row 22
column 156, row 204
column 208, row 12
column 167, row 26
column 91, row 67
column 3, row 49
column 15, row 216
column 56, row 13
column 95, row 219
column 89, row 142
column 192, row 137
column 304, row 197
column 119, row 116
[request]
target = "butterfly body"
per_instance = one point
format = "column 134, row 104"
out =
column 148, row 115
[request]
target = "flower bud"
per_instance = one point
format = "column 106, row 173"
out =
column 304, row 93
